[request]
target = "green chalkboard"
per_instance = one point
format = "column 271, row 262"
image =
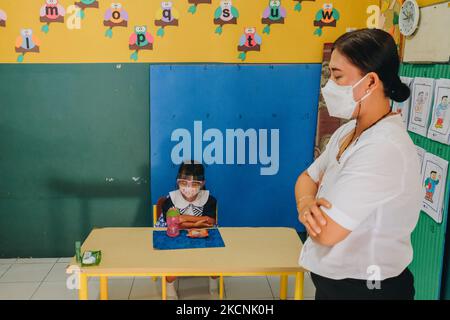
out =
column 74, row 154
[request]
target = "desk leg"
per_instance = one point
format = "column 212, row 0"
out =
column 221, row 287
column 164, row 288
column 83, row 291
column 283, row 287
column 299, row 285
column 103, row 288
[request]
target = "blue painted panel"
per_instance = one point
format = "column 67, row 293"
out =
column 230, row 97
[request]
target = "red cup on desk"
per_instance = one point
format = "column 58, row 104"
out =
column 173, row 222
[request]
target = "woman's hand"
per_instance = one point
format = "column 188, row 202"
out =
column 311, row 216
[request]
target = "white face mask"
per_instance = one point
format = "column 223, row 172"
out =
column 339, row 99
column 189, row 192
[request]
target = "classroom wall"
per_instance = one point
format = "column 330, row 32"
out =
column 194, row 40
column 75, row 123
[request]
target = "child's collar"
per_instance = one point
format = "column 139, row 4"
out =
column 181, row 203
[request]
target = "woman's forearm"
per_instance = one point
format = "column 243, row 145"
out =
column 305, row 188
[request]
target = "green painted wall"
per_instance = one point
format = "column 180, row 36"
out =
column 429, row 237
column 65, row 131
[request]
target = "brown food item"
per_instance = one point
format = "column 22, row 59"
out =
column 197, row 233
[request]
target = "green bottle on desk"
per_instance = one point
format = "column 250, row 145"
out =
column 78, row 251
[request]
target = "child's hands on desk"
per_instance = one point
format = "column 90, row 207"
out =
column 187, row 222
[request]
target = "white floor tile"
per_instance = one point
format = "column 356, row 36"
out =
column 118, row 289
column 195, row 288
column 146, row 289
column 26, row 272
column 94, row 291
column 55, row 291
column 37, row 260
column 17, row 291
column 4, row 268
column 8, row 261
column 309, row 290
column 57, row 273
column 241, row 288
column 21, row 279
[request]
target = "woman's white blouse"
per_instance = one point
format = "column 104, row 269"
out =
column 375, row 192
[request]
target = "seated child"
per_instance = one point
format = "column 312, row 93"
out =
column 197, row 209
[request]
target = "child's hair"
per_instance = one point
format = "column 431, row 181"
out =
column 433, row 172
column 191, row 169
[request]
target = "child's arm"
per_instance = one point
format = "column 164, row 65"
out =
column 187, row 222
column 210, row 209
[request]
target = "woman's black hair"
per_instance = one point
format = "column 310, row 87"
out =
column 374, row 50
column 191, row 168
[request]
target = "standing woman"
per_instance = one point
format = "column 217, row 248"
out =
column 360, row 200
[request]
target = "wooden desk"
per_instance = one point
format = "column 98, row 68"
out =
column 247, row 252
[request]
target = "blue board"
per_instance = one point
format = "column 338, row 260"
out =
column 275, row 105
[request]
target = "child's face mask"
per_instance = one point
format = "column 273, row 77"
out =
column 189, row 189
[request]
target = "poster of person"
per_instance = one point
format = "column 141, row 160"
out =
column 440, row 122
column 434, row 178
column 403, row 107
column 421, row 99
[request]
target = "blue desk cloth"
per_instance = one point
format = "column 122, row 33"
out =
column 161, row 241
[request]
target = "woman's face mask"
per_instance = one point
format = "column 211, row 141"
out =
column 339, row 99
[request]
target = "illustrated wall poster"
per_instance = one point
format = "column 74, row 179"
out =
column 115, row 16
column 326, row 17
column 440, row 122
column 298, row 4
column 140, row 39
column 434, row 176
column 390, row 10
column 167, row 15
column 403, row 107
column 3, row 18
column 51, row 12
column 225, row 14
column 249, row 41
column 421, row 101
column 194, row 3
column 273, row 14
column 27, row 42
column 86, row 4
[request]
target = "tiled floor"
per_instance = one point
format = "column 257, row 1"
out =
column 45, row 279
